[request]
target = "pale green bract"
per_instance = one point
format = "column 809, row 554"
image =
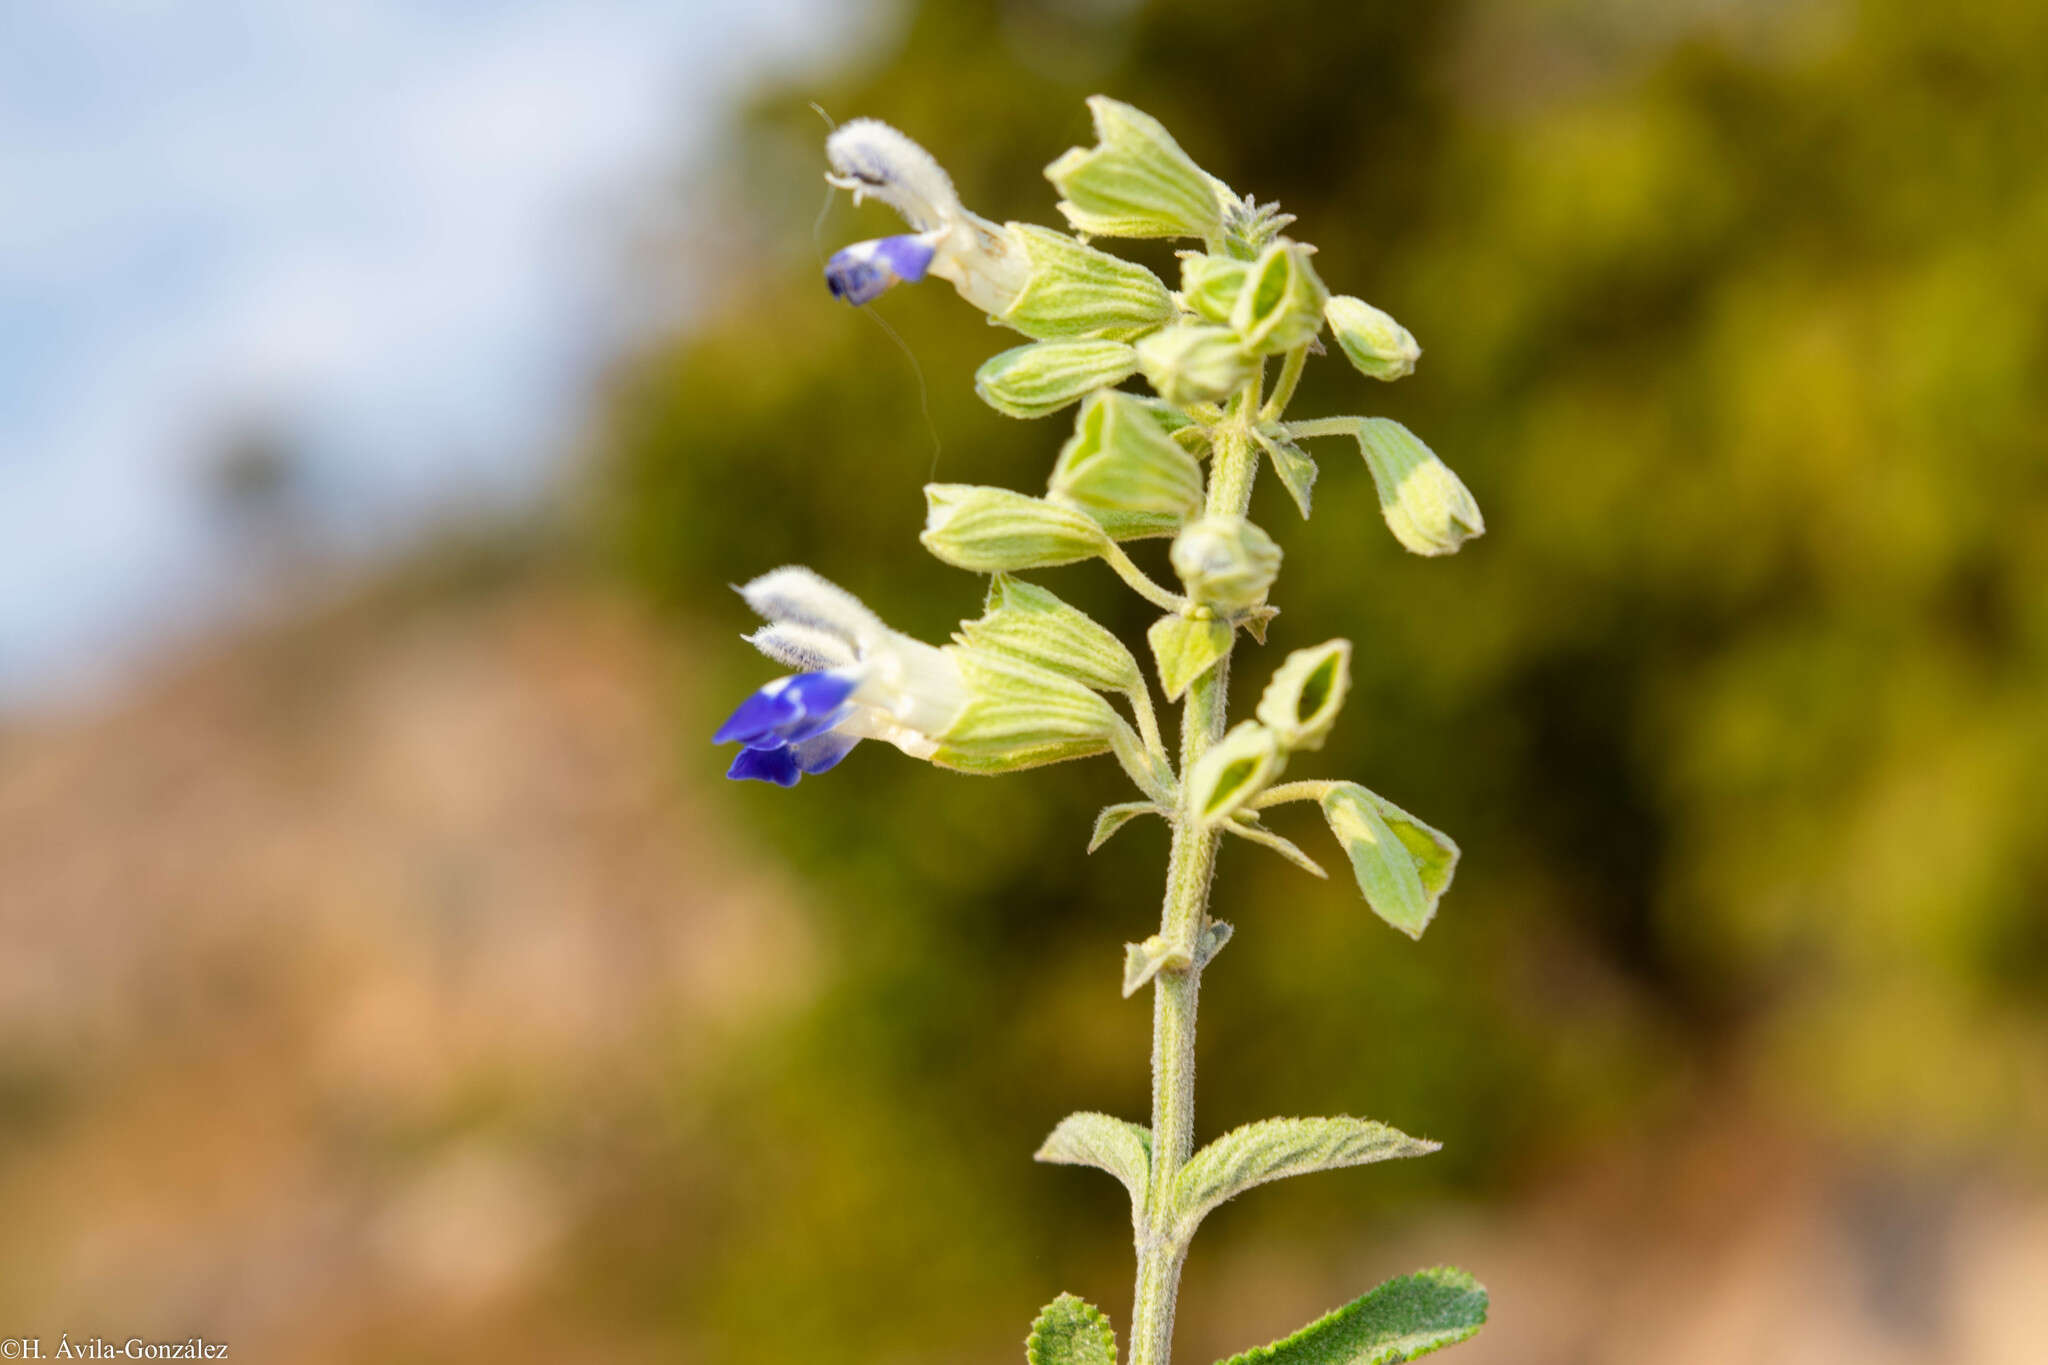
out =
column 1136, row 181
column 1035, row 679
column 1123, row 469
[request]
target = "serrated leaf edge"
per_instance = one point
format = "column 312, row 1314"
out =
column 1037, row 1349
column 1389, row 1353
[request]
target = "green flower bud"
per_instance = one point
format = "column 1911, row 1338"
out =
column 1426, row 506
column 1042, row 378
column 1026, row 622
column 1209, row 285
column 1301, row 703
column 1136, row 181
column 1281, row 304
column 1122, row 468
column 1226, row 562
column 1071, row 290
column 991, row 530
column 1194, row 364
column 1378, row 346
column 1019, row 715
column 1234, row 770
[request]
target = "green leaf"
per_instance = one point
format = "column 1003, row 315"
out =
column 1296, row 468
column 1273, row 1149
column 1402, row 1319
column 1212, row 940
column 1244, row 826
column 1108, row 1144
column 1114, row 818
column 1185, row 648
column 1402, row 865
column 1071, row 1331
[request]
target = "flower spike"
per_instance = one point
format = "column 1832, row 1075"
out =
column 1031, row 680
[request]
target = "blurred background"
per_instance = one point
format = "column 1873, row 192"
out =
column 389, row 391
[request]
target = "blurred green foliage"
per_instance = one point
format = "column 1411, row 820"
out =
column 1735, row 318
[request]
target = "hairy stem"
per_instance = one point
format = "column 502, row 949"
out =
column 1324, row 426
column 1139, row 582
column 1283, row 391
column 1161, row 1245
column 1314, row 790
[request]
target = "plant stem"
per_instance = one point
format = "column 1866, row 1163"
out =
column 1283, row 391
column 1139, row 582
column 1313, row 790
column 1190, row 867
column 1174, row 994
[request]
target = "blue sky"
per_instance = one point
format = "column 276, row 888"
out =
column 393, row 229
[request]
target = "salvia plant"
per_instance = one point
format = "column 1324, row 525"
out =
column 1034, row 680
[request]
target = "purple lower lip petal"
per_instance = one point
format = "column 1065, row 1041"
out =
column 765, row 765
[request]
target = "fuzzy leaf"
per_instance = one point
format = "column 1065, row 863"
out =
column 1213, row 938
column 1243, row 827
column 1403, row 866
column 1402, row 1319
column 1114, row 818
column 1273, row 1149
column 1186, row 647
column 1108, row 1144
column 1071, row 1331
column 1143, row 961
column 1296, row 468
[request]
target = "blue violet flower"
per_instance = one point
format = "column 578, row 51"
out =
column 860, row 680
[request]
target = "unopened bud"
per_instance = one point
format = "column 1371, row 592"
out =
column 1136, row 181
column 1071, row 290
column 992, row 530
column 1281, row 304
column 1301, row 703
column 1378, row 346
column 1194, row 364
column 1226, row 562
column 1042, row 378
column 1122, row 468
column 1427, row 507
